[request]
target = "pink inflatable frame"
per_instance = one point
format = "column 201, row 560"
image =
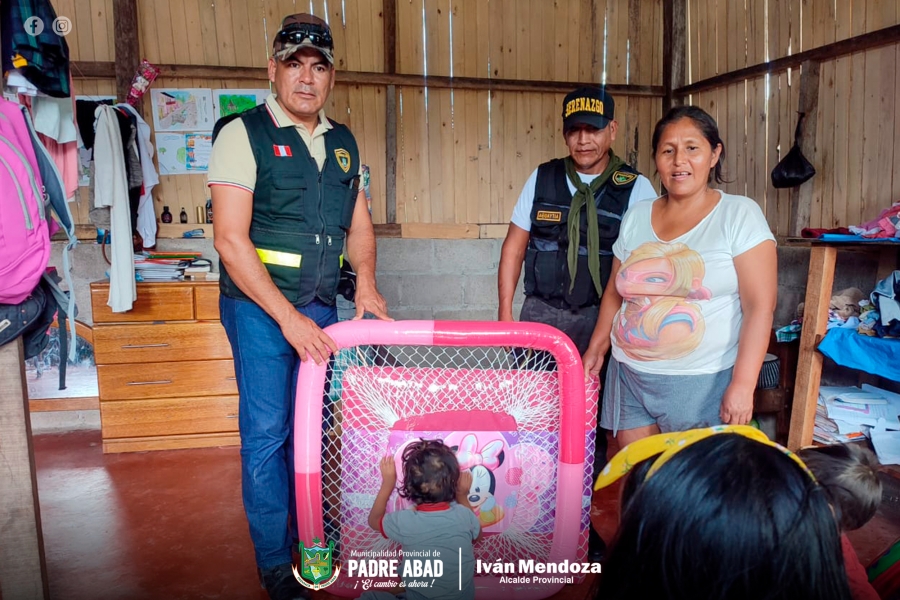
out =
column 570, row 471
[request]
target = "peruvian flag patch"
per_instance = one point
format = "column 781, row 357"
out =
column 282, row 150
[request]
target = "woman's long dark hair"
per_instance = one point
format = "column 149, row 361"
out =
column 727, row 518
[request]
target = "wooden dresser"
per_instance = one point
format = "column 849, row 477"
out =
column 164, row 368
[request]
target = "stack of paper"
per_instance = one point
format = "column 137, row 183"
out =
column 157, row 269
column 845, row 414
column 166, row 266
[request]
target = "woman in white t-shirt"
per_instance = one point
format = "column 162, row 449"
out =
column 690, row 314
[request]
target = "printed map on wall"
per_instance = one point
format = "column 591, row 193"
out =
column 182, row 110
column 183, row 153
column 229, row 102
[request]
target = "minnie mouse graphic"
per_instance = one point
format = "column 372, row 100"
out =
column 482, row 464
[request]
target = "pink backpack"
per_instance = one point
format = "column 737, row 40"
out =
column 24, row 232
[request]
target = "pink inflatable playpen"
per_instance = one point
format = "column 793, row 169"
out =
column 510, row 397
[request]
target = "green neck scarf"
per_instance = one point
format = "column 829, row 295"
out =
column 584, row 197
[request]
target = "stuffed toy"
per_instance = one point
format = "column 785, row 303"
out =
column 844, row 304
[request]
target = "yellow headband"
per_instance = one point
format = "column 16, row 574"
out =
column 668, row 445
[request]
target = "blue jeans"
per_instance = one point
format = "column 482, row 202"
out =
column 266, row 367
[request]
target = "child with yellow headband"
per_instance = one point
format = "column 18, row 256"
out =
column 721, row 513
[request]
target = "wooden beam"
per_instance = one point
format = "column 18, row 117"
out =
column 389, row 15
column 674, row 50
column 859, row 43
column 597, row 45
column 809, row 364
column 802, row 196
column 91, row 70
column 128, row 51
column 388, row 230
column 23, row 569
column 391, row 153
column 83, row 233
column 441, row 231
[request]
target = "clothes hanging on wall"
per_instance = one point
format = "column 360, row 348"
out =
column 42, row 58
column 54, row 121
column 146, row 216
column 85, row 116
column 111, row 190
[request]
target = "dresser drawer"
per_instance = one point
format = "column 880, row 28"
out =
column 171, row 302
column 142, row 418
column 206, row 302
column 166, row 380
column 116, row 344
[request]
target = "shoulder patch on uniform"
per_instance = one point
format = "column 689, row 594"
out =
column 343, row 159
column 554, row 216
column 621, row 178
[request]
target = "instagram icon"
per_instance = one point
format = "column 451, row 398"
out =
column 62, row 26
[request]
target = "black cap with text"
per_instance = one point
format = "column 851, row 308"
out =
column 588, row 106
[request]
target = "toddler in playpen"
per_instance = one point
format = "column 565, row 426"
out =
column 440, row 526
column 849, row 475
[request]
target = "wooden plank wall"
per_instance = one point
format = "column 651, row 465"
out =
column 858, row 159
column 463, row 155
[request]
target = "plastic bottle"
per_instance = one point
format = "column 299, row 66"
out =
column 183, row 215
column 166, row 216
column 209, row 210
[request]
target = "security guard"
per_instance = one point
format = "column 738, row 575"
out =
column 285, row 188
column 563, row 228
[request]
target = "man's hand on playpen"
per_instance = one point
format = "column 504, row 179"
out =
column 369, row 300
column 307, row 338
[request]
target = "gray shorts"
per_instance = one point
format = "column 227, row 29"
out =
column 632, row 399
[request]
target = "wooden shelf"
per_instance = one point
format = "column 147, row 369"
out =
column 822, row 261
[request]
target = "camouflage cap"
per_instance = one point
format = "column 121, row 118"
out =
column 303, row 30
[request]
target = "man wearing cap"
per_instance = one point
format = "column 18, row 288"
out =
column 285, row 187
column 563, row 228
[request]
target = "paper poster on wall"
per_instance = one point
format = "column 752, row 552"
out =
column 182, row 110
column 183, row 153
column 199, row 146
column 229, row 102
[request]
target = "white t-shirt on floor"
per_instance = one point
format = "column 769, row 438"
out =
column 681, row 312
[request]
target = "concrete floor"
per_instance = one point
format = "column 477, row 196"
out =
column 170, row 525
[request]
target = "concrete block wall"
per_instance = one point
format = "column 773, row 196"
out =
column 441, row 279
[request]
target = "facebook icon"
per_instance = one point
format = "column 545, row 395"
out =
column 33, row 26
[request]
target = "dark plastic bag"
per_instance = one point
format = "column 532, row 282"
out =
column 793, row 169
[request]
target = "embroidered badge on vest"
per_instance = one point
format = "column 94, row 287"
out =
column 343, row 158
column 620, row 178
column 281, row 150
column 554, row 216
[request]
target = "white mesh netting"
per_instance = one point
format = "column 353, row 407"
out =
column 483, row 401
